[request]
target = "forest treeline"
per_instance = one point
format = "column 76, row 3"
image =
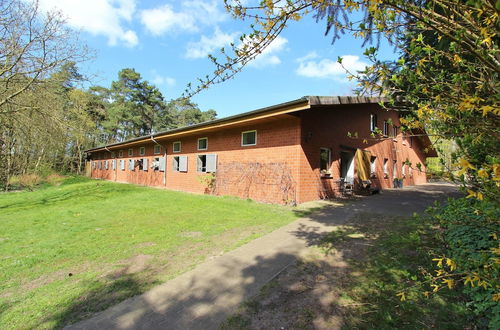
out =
column 47, row 119
column 56, row 121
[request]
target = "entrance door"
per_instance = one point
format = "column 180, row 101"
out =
column 347, row 166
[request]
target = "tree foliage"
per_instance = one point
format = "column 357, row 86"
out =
column 445, row 80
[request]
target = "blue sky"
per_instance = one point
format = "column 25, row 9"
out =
column 168, row 42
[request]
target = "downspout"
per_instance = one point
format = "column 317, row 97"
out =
column 106, row 148
column 165, row 155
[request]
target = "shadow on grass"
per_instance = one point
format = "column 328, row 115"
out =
column 365, row 262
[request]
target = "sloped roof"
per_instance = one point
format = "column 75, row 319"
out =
column 300, row 104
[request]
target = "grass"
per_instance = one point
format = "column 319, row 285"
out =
column 351, row 279
column 71, row 250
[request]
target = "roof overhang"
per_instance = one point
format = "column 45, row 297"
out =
column 300, row 104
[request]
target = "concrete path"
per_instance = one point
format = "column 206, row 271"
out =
column 205, row 296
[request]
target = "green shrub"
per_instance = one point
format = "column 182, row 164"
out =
column 470, row 259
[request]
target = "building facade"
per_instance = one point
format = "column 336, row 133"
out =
column 307, row 149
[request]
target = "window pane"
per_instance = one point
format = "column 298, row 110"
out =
column 324, row 163
column 202, row 144
column 249, row 138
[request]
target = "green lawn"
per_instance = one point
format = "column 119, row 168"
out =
column 68, row 251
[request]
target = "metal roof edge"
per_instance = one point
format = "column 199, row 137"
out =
column 207, row 123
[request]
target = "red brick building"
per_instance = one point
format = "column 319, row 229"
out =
column 310, row 148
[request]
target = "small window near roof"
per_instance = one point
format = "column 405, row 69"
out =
column 386, row 128
column 130, row 152
column 157, row 149
column 202, row 143
column 176, row 147
column 120, row 153
column 113, row 155
column 394, row 131
column 142, row 151
column 249, row 138
column 373, row 122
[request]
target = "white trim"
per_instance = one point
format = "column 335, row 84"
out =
column 248, row 145
column 198, row 143
column 180, row 146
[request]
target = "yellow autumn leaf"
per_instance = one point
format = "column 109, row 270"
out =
column 450, row 263
column 402, row 296
column 471, row 194
column 450, row 282
column 435, row 287
column 496, row 296
column 482, row 173
column 439, row 262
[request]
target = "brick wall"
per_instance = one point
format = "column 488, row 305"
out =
column 246, row 171
column 283, row 166
column 328, row 127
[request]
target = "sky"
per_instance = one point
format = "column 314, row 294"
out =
column 168, row 41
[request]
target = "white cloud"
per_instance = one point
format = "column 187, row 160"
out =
column 309, row 56
column 190, row 17
column 99, row 17
column 208, row 45
column 268, row 57
column 162, row 80
column 327, row 68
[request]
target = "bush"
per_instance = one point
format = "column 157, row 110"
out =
column 470, row 256
column 29, row 181
column 54, row 179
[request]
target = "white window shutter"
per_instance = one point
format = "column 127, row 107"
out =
column 113, row 164
column 211, row 163
column 122, row 164
column 183, row 164
column 131, row 164
column 144, row 164
column 162, row 164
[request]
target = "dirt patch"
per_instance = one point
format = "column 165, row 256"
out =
column 133, row 265
column 145, row 245
column 309, row 294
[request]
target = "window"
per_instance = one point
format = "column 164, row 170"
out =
column 113, row 155
column 203, row 144
column 93, row 165
column 130, row 152
column 99, row 164
column 144, row 164
column 394, row 131
column 120, row 153
column 179, row 164
column 373, row 122
column 113, row 164
column 386, row 128
column 122, row 164
column 249, row 138
column 131, row 165
column 386, row 162
column 325, row 159
column 373, row 168
column 157, row 149
column 142, row 151
column 207, row 163
column 176, row 147
column 158, row 164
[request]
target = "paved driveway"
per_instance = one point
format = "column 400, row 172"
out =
column 205, row 296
